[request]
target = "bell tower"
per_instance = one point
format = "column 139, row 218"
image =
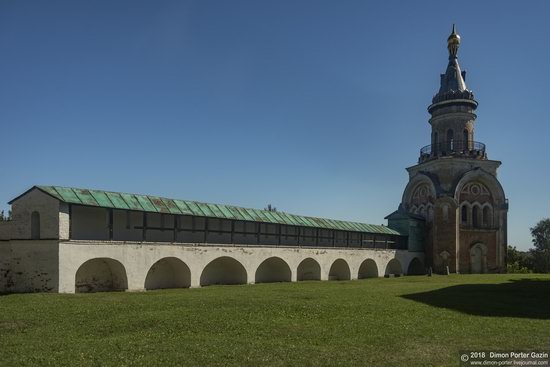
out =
column 454, row 186
column 453, row 112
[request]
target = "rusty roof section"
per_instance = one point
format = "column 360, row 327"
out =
column 154, row 204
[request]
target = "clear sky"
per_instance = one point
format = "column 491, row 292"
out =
column 313, row 106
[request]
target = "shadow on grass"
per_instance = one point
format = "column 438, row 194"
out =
column 527, row 298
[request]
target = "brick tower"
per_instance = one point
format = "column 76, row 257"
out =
column 454, row 186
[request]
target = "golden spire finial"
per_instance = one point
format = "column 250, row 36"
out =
column 453, row 42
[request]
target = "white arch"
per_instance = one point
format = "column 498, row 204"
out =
column 168, row 272
column 101, row 274
column 368, row 269
column 308, row 269
column 223, row 270
column 393, row 267
column 273, row 269
column 339, row 270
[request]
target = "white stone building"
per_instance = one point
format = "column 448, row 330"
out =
column 74, row 240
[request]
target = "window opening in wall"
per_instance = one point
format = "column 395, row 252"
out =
column 464, row 214
column 35, row 226
column 450, row 139
column 128, row 220
column 475, row 216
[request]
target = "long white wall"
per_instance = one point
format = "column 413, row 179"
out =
column 137, row 259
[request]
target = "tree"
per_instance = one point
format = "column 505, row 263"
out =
column 541, row 242
column 3, row 217
column 519, row 261
column 270, row 208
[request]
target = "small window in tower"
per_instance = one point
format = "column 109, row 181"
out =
column 475, row 216
column 465, row 144
column 450, row 137
column 464, row 214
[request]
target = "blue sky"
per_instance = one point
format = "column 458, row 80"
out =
column 314, row 106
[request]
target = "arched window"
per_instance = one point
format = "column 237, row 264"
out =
column 475, row 216
column 35, row 226
column 487, row 222
column 464, row 214
column 450, row 137
column 435, row 143
column 465, row 145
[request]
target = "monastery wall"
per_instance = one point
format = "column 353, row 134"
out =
column 133, row 265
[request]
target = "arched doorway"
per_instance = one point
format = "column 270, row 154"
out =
column 368, row 269
column 101, row 275
column 309, row 269
column 394, row 267
column 273, row 270
column 223, row 270
column 416, row 267
column 169, row 272
column 478, row 259
column 339, row 271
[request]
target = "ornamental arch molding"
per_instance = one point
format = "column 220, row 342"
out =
column 419, row 194
column 489, row 181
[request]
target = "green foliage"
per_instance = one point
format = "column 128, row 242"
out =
column 4, row 217
column 541, row 242
column 407, row 321
column 519, row 261
column 516, row 268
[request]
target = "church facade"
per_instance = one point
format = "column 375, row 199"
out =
column 454, row 186
column 452, row 218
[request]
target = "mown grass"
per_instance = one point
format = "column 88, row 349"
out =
column 410, row 321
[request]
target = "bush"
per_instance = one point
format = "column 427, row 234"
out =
column 516, row 268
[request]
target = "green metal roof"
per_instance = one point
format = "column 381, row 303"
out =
column 154, row 204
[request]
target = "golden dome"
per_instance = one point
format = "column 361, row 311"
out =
column 453, row 42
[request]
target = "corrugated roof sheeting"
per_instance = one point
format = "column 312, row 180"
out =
column 155, row 204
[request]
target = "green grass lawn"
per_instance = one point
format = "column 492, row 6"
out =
column 410, row 321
